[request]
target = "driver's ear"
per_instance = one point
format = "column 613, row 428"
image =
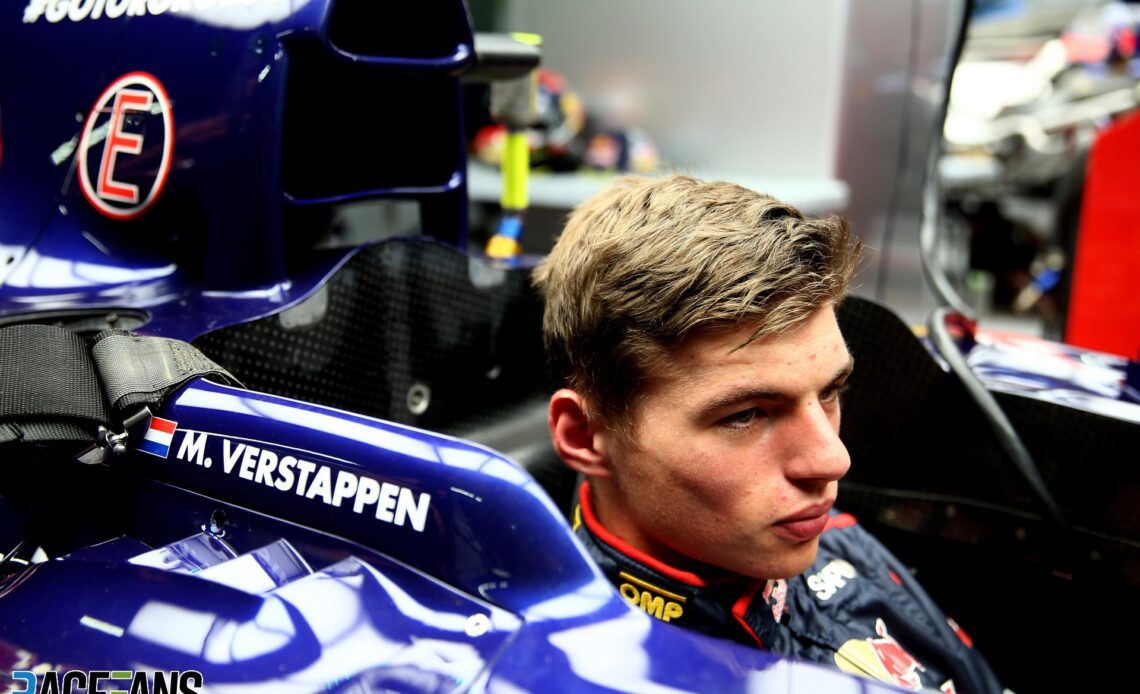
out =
column 578, row 440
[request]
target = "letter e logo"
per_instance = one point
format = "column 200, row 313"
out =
column 131, row 130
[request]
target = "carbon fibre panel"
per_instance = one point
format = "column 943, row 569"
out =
column 408, row 331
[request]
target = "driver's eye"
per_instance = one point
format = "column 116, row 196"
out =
column 833, row 393
column 741, row 419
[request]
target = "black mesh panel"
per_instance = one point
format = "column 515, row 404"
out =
column 929, row 479
column 399, row 314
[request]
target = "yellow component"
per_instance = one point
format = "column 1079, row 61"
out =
column 527, row 38
column 650, row 586
column 516, row 169
column 503, row 247
column 859, row 658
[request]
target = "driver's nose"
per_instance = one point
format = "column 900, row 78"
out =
column 817, row 454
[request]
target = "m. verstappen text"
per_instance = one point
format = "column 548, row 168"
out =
column 388, row 502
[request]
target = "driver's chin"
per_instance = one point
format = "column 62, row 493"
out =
column 782, row 564
column 766, row 560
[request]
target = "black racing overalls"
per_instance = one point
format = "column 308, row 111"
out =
column 856, row 608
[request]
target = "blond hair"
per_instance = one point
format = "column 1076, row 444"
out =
column 645, row 262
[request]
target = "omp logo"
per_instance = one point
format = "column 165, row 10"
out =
column 105, row 682
column 655, row 601
column 126, row 146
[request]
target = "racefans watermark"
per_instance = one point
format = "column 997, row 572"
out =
column 106, row 682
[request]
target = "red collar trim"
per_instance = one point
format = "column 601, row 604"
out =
column 839, row 521
column 740, row 607
column 592, row 524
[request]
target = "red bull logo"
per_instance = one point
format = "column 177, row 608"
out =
column 882, row 659
column 775, row 594
column 902, row 665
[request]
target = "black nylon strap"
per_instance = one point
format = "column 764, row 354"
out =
column 49, row 390
column 138, row 370
column 56, row 390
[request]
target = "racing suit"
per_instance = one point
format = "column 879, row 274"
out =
column 856, row 608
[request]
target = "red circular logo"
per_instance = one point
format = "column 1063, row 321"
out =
column 126, row 146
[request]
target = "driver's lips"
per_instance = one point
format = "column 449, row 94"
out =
column 804, row 525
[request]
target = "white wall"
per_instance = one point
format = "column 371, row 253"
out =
column 829, row 104
column 740, row 89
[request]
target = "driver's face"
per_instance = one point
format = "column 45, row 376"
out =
column 736, row 455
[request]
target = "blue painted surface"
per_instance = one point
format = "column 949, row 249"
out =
column 487, row 522
column 212, row 251
column 194, row 554
column 1070, row 376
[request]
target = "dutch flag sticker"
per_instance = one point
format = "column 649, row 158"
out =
column 158, row 437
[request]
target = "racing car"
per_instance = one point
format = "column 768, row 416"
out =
column 255, row 440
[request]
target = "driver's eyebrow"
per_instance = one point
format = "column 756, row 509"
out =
column 738, row 396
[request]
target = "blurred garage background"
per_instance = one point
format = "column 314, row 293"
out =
column 837, row 106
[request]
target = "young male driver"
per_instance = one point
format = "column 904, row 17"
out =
column 694, row 325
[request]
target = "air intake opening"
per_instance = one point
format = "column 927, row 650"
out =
column 419, row 29
column 352, row 128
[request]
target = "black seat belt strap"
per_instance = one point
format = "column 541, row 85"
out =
column 137, row 370
column 54, row 389
column 49, row 390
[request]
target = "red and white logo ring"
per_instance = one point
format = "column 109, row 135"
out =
column 134, row 91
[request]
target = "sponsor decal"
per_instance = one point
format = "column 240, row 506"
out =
column 56, row 11
column 105, row 681
column 831, row 578
column 126, row 146
column 654, row 601
column 882, row 659
column 775, row 594
column 157, row 439
column 299, row 472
